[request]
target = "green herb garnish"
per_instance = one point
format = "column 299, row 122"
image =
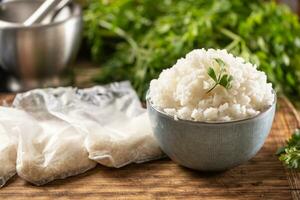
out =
column 290, row 154
column 222, row 78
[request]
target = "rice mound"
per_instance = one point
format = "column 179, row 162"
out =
column 181, row 91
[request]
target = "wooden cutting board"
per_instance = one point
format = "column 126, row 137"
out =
column 263, row 177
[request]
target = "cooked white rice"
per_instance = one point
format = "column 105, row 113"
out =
column 181, row 91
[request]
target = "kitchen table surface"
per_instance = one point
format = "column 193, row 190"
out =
column 263, row 177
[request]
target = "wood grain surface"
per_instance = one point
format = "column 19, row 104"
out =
column 263, row 177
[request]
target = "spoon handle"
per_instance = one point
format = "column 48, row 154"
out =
column 59, row 7
column 41, row 12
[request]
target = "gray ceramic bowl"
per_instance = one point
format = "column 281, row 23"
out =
column 210, row 146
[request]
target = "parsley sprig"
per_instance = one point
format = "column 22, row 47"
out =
column 222, row 78
column 290, row 154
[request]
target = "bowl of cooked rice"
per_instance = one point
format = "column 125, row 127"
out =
column 211, row 111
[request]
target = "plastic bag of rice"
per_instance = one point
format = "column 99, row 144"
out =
column 195, row 88
column 118, row 128
column 72, row 128
column 12, row 123
column 50, row 148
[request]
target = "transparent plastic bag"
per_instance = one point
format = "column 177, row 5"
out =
column 122, row 142
column 8, row 154
column 7, row 158
column 117, row 127
column 11, row 123
column 74, row 127
column 52, row 148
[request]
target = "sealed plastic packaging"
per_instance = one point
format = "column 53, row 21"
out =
column 128, row 141
column 12, row 123
column 118, row 127
column 75, row 126
column 7, row 157
column 51, row 148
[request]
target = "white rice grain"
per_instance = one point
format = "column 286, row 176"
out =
column 181, row 91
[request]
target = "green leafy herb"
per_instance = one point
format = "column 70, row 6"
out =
column 290, row 154
column 136, row 40
column 222, row 78
column 211, row 72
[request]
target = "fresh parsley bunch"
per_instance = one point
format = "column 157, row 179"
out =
column 137, row 39
column 290, row 154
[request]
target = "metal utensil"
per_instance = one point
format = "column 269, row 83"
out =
column 6, row 24
column 46, row 13
column 52, row 16
column 41, row 12
column 59, row 8
column 34, row 54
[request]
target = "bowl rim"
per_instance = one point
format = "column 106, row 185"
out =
column 77, row 13
column 149, row 103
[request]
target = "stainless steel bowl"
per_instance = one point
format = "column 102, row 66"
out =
column 40, row 52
